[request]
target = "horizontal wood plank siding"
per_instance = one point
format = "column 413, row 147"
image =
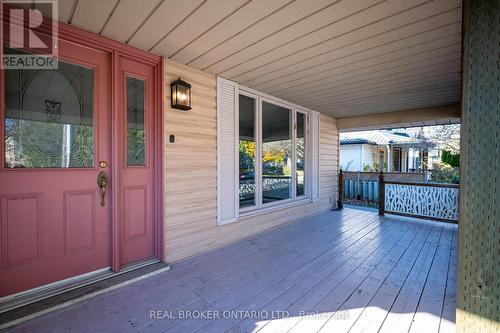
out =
column 191, row 169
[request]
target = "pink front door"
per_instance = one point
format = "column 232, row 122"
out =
column 96, row 117
column 136, row 187
column 56, row 124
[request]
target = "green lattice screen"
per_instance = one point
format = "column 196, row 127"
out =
column 479, row 226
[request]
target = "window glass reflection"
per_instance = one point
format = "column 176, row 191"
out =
column 247, row 151
column 276, row 153
column 136, row 133
column 301, row 154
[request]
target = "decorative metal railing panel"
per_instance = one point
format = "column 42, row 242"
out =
column 422, row 201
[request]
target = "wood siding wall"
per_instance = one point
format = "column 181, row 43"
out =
column 478, row 289
column 190, row 173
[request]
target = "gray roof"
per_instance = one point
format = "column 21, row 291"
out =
column 376, row 138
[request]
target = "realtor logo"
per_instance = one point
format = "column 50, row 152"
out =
column 30, row 38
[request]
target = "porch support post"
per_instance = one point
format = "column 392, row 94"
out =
column 479, row 223
column 341, row 190
column 381, row 194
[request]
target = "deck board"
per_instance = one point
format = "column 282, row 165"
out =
column 308, row 298
column 373, row 315
column 429, row 309
column 447, row 324
column 357, row 271
column 381, row 277
column 390, row 251
column 287, row 291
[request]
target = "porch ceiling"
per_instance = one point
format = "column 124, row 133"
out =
column 341, row 57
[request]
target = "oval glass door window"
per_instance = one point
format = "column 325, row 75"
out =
column 49, row 118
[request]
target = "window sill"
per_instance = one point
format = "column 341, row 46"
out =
column 266, row 210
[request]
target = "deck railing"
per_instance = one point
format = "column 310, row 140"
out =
column 363, row 187
column 434, row 201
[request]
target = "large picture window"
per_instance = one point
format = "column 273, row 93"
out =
column 272, row 153
column 268, row 153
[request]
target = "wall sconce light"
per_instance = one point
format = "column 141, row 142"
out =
column 180, row 95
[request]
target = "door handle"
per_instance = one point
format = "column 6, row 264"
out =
column 102, row 183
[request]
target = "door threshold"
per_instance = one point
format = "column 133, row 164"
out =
column 23, row 298
column 137, row 264
column 18, row 312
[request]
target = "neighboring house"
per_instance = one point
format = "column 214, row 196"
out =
column 385, row 150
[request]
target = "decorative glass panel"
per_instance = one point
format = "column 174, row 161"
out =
column 48, row 117
column 247, row 151
column 276, row 153
column 301, row 154
column 136, row 132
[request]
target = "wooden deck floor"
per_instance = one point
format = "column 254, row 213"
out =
column 348, row 271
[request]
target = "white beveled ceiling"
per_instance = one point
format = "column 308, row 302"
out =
column 341, row 57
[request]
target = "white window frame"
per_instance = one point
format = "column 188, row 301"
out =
column 257, row 166
column 307, row 161
column 260, row 207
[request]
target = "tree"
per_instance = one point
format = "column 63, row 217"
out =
column 451, row 159
column 276, row 151
column 420, row 141
column 445, row 173
column 247, row 155
column 447, row 137
column 247, row 147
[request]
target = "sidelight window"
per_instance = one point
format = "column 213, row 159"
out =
column 247, row 154
column 136, row 132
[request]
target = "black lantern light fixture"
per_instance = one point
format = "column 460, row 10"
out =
column 180, row 92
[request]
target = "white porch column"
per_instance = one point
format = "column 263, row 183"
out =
column 418, row 158
column 361, row 157
column 404, row 153
column 389, row 158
